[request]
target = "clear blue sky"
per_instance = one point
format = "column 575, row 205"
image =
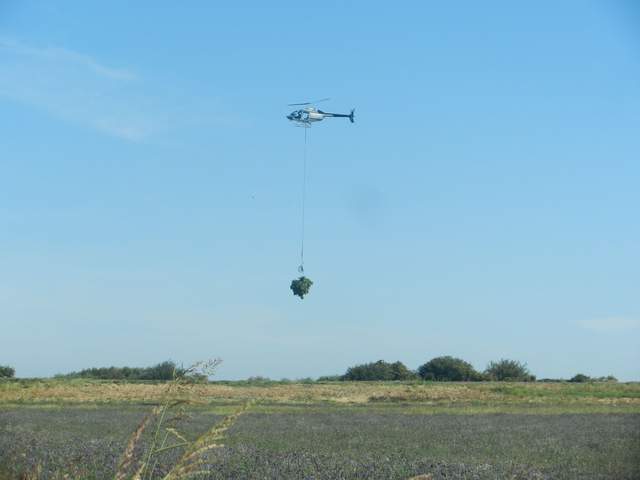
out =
column 484, row 204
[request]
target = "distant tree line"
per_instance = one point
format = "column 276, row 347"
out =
column 166, row 370
column 451, row 369
column 440, row 369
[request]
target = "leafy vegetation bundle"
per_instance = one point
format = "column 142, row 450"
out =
column 301, row 286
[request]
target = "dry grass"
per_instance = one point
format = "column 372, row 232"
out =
column 176, row 394
column 128, row 457
column 341, row 393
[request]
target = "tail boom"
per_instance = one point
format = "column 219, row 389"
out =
column 339, row 115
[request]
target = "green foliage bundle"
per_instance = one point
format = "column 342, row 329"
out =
column 164, row 371
column 509, row 370
column 301, row 286
column 449, row 369
column 6, row 371
column 379, row 370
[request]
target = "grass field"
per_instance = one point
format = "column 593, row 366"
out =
column 566, row 397
column 370, row 430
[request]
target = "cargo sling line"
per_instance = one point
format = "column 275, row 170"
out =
column 304, row 195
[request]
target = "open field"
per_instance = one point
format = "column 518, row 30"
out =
column 566, row 397
column 337, row 430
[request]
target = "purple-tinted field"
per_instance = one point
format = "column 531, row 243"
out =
column 331, row 443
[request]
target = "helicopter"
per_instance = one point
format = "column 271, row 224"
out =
column 305, row 116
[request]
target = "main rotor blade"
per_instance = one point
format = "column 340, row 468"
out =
column 308, row 103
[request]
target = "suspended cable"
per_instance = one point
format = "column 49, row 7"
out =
column 304, row 198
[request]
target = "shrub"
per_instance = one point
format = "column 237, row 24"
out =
column 305, row 380
column 330, row 378
column 509, row 370
column 166, row 370
column 379, row 370
column 448, row 369
column 259, row 379
column 400, row 372
column 6, row 371
column 579, row 378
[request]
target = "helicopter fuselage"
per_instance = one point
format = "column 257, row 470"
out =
column 308, row 115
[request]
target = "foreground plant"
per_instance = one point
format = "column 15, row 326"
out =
column 167, row 438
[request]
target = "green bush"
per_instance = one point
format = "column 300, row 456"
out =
column 509, row 371
column 579, row 378
column 330, row 378
column 379, row 370
column 6, row 371
column 162, row 371
column 305, row 380
column 448, row 369
column 260, row 380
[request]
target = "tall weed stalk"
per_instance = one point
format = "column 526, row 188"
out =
column 165, row 438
